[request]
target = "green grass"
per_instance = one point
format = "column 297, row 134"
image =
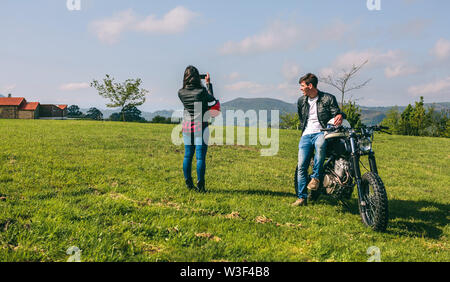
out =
column 116, row 191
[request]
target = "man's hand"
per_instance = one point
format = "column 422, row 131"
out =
column 338, row 120
column 208, row 78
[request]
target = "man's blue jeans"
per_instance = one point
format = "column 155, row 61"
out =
column 197, row 145
column 306, row 146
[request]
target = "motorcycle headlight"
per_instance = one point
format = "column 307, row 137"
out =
column 365, row 145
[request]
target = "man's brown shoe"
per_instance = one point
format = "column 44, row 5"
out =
column 299, row 202
column 314, row 184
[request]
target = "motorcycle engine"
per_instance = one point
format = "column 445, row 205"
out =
column 337, row 180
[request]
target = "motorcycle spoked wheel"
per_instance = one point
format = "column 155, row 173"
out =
column 375, row 214
column 312, row 195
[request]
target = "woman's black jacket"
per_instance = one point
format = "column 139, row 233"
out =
column 195, row 101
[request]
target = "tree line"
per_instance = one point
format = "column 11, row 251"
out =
column 415, row 120
column 130, row 114
column 127, row 96
column 418, row 121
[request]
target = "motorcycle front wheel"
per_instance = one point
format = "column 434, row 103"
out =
column 374, row 203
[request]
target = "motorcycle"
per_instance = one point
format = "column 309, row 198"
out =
column 345, row 147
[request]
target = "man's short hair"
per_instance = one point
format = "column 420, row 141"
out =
column 309, row 78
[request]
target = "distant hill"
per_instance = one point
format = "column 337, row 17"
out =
column 260, row 104
column 1, row 95
column 256, row 104
column 374, row 115
column 369, row 115
column 147, row 115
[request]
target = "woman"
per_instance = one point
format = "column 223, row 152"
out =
column 195, row 100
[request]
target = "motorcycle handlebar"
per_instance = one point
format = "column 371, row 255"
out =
column 382, row 127
column 379, row 128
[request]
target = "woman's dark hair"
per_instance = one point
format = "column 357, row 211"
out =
column 309, row 78
column 191, row 78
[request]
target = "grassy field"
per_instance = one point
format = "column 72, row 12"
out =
column 116, row 191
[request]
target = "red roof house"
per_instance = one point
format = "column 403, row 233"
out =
column 31, row 106
column 19, row 108
column 10, row 101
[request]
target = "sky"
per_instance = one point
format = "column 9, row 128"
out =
column 50, row 50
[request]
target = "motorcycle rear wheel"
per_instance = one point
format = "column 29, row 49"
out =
column 374, row 205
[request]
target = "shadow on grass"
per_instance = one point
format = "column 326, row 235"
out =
column 413, row 218
column 406, row 217
column 417, row 218
column 254, row 192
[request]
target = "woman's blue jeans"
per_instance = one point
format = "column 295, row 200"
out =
column 195, row 143
column 307, row 145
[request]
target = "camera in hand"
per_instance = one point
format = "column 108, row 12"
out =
column 202, row 76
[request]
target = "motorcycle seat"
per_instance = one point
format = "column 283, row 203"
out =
column 332, row 135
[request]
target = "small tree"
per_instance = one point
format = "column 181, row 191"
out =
column 124, row 95
column 392, row 120
column 419, row 118
column 94, row 114
column 131, row 113
column 353, row 113
column 405, row 121
column 74, row 111
column 341, row 83
column 290, row 121
column 115, row 117
column 160, row 119
column 447, row 127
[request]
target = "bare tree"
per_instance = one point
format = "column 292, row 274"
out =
column 341, row 83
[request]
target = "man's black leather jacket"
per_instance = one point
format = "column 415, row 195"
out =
column 327, row 108
column 191, row 95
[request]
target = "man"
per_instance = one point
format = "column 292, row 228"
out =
column 315, row 110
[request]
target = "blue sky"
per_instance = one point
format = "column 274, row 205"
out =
column 251, row 48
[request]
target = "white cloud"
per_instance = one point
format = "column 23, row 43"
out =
column 326, row 72
column 109, row 30
column 7, row 88
column 441, row 49
column 174, row 21
column 337, row 30
column 291, row 72
column 374, row 57
column 334, row 32
column 74, row 86
column 249, row 86
column 290, row 89
column 277, row 36
column 392, row 61
column 233, row 76
column 439, row 87
column 345, row 61
column 399, row 70
column 280, row 35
